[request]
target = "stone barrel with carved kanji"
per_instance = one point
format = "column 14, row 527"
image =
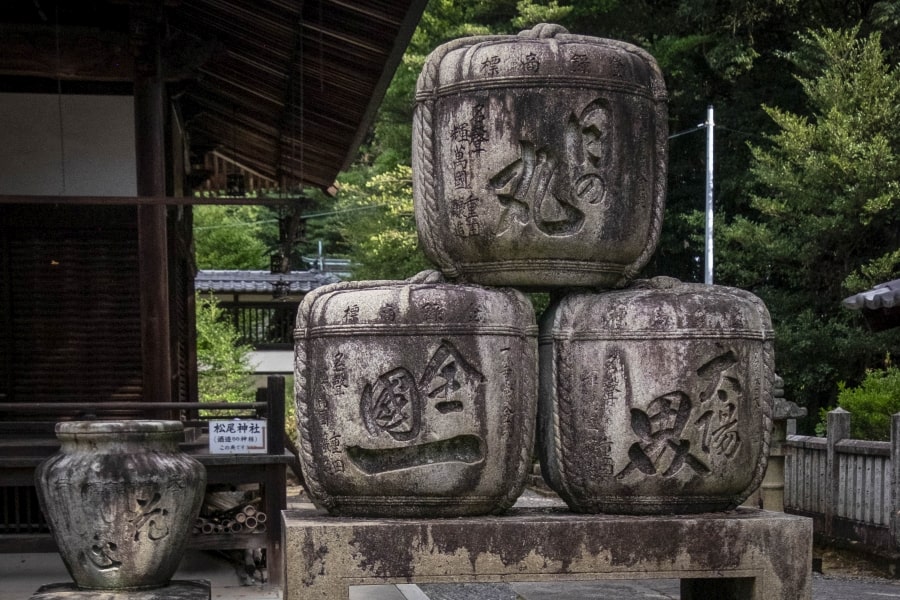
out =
column 655, row 399
column 539, row 160
column 415, row 398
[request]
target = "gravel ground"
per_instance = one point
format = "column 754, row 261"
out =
column 850, row 564
column 852, row 575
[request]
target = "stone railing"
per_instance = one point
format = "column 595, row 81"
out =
column 846, row 485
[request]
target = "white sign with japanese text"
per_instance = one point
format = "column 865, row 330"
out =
column 238, row 436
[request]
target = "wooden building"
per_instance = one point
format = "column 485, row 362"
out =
column 96, row 280
column 111, row 112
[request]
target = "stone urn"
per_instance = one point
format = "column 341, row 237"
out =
column 120, row 499
column 539, row 160
column 415, row 398
column 656, row 399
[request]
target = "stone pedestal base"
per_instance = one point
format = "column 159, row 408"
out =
column 176, row 590
column 744, row 554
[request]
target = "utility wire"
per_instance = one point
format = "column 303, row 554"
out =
column 703, row 126
column 345, row 210
column 306, row 216
column 235, row 224
column 687, row 131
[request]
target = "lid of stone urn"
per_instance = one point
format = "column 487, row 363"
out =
column 545, row 56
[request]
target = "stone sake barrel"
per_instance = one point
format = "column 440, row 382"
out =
column 656, row 399
column 539, row 160
column 415, row 398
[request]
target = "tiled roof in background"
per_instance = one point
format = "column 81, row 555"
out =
column 883, row 295
column 259, row 282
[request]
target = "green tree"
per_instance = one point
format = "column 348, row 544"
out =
column 732, row 55
column 375, row 203
column 719, row 53
column 825, row 207
column 232, row 237
column 707, row 50
column 872, row 403
column 378, row 224
column 246, row 236
column 224, row 370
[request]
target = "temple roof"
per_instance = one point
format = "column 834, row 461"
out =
column 883, row 295
column 285, row 88
column 260, row 282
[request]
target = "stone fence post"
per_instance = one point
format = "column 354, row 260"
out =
column 895, row 479
column 838, row 429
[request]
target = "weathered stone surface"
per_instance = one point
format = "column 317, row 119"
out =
column 656, row 399
column 120, row 499
column 747, row 554
column 415, row 398
column 539, row 160
column 176, row 590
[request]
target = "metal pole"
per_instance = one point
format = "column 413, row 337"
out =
column 708, row 263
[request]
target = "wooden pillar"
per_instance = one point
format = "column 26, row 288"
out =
column 275, row 481
column 149, row 119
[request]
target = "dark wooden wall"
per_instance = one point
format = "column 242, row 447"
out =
column 70, row 315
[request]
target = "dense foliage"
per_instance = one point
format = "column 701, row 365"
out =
column 225, row 373
column 376, row 216
column 824, row 209
column 807, row 172
column 224, row 370
column 872, row 403
column 230, row 237
column 806, row 169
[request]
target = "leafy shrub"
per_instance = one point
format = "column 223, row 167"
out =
column 872, row 403
column 224, row 373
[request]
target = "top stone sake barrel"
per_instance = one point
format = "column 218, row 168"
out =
column 539, row 160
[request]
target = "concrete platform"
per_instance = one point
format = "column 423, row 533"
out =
column 739, row 555
column 21, row 575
